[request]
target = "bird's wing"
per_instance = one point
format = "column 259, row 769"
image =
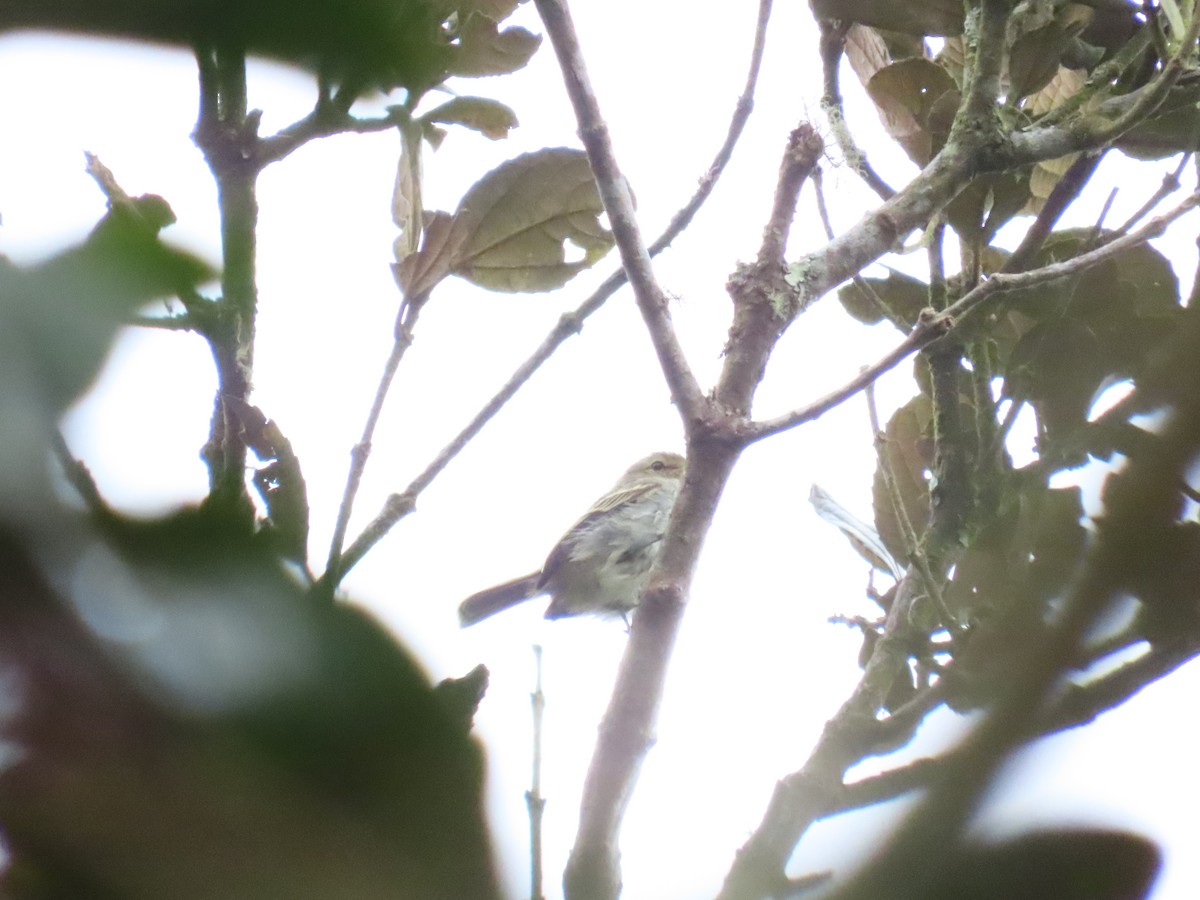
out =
column 607, row 503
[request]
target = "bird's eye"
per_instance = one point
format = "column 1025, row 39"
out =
column 658, row 465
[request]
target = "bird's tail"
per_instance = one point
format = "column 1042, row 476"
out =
column 496, row 599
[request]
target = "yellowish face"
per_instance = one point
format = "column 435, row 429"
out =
column 661, row 464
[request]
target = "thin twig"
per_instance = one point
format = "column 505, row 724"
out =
column 79, row 476
column 933, row 326
column 534, row 800
column 832, row 46
column 183, row 322
column 1102, row 78
column 864, row 287
column 324, row 121
column 1078, row 705
column 406, row 320
column 1065, row 190
column 402, row 503
column 1170, row 184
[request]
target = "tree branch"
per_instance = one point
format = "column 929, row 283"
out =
column 762, row 297
column 401, row 504
column 325, row 120
column 1141, row 501
column 1065, row 190
column 804, row 796
column 833, row 47
column 935, row 325
column 226, row 133
column 1113, row 117
column 618, row 204
column 79, row 476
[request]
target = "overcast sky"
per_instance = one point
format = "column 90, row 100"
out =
column 758, row 669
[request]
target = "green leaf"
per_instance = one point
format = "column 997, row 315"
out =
column 419, row 273
column 1075, row 335
column 1056, row 367
column 65, row 311
column 378, row 43
column 1035, row 55
column 484, row 49
column 907, row 450
column 1028, row 552
column 987, row 203
column 490, row 118
column 510, row 230
column 497, row 10
column 1175, row 128
column 1064, row 864
column 192, row 680
column 900, row 294
column 916, row 100
column 407, row 208
column 939, row 17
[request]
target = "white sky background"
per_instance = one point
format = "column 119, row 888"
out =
column 757, row 669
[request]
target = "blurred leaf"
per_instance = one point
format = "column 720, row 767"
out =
column 497, row 10
column 1028, row 551
column 64, row 312
column 863, row 538
column 1076, row 335
column 916, row 100
column 1043, row 178
column 1064, row 864
column 58, row 319
column 908, row 451
column 1166, row 585
column 510, row 230
column 378, row 43
column 200, row 730
column 490, row 118
column 902, row 295
column 484, row 49
column 1055, row 366
column 935, row 17
column 461, row 696
column 1056, row 538
column 987, row 204
column 952, row 57
column 1112, row 25
column 903, row 688
column 1175, row 128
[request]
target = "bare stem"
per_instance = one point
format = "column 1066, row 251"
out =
column 406, row 320
column 227, row 134
column 534, row 800
column 618, row 204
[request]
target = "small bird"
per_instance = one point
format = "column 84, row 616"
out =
column 600, row 565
